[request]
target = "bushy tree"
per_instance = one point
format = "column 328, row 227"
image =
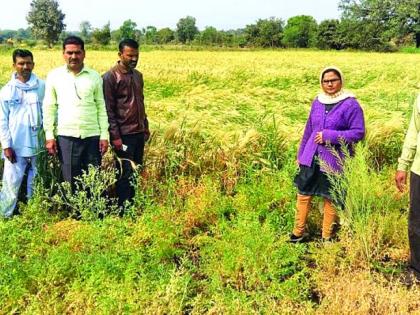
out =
column 186, row 29
column 300, row 32
column 386, row 20
column 150, row 35
column 235, row 38
column 271, row 32
column 129, row 30
column 328, row 35
column 165, row 35
column 356, row 35
column 46, row 20
column 116, row 35
column 102, row 36
column 265, row 33
column 210, row 36
column 85, row 31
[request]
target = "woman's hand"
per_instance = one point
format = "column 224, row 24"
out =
column 318, row 138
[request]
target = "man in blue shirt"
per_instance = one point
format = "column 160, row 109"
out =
column 20, row 126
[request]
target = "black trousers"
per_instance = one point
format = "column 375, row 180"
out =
column 126, row 182
column 414, row 223
column 76, row 155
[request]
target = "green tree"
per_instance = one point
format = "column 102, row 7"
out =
column 300, row 32
column 116, row 35
column 210, row 36
column 327, row 35
column 85, row 31
column 407, row 22
column 235, row 38
column 356, row 35
column 128, row 30
column 186, row 29
column 21, row 34
column 271, row 32
column 266, row 33
column 389, row 20
column 251, row 34
column 46, row 20
column 102, row 36
column 150, row 35
column 165, row 35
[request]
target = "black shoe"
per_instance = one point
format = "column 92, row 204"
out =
column 327, row 239
column 297, row 239
column 410, row 278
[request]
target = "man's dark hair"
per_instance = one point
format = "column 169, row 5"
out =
column 73, row 40
column 129, row 43
column 21, row 53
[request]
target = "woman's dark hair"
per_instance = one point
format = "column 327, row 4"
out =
column 331, row 70
column 22, row 53
column 129, row 43
column 73, row 40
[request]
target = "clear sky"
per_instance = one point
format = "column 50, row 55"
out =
column 222, row 14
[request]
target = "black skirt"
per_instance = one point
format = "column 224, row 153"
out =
column 311, row 181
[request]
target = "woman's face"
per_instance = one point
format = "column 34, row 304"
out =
column 331, row 83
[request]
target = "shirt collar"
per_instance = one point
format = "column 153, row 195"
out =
column 122, row 68
column 84, row 69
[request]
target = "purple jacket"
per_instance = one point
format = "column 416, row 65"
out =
column 345, row 122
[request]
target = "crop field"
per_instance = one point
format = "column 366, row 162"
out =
column 215, row 204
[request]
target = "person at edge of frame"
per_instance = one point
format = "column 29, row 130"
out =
column 128, row 124
column 75, row 119
column 20, row 127
column 410, row 161
column 336, row 120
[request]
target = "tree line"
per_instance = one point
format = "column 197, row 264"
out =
column 381, row 25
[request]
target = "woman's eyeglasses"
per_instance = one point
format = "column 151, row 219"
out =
column 332, row 81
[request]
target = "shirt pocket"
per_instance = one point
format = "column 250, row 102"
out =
column 13, row 105
column 84, row 89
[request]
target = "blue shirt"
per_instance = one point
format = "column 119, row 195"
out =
column 21, row 115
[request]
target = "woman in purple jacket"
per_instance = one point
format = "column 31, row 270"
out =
column 336, row 119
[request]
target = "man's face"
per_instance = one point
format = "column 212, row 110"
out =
column 23, row 67
column 129, row 57
column 74, row 56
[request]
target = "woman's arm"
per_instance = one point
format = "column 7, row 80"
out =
column 306, row 134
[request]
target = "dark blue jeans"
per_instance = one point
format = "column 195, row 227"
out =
column 76, row 155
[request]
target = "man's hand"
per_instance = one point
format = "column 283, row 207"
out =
column 117, row 144
column 103, row 146
column 318, row 138
column 9, row 153
column 401, row 180
column 51, row 146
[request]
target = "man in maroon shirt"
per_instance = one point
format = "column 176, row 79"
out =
column 128, row 125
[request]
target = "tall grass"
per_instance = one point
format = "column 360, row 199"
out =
column 371, row 213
